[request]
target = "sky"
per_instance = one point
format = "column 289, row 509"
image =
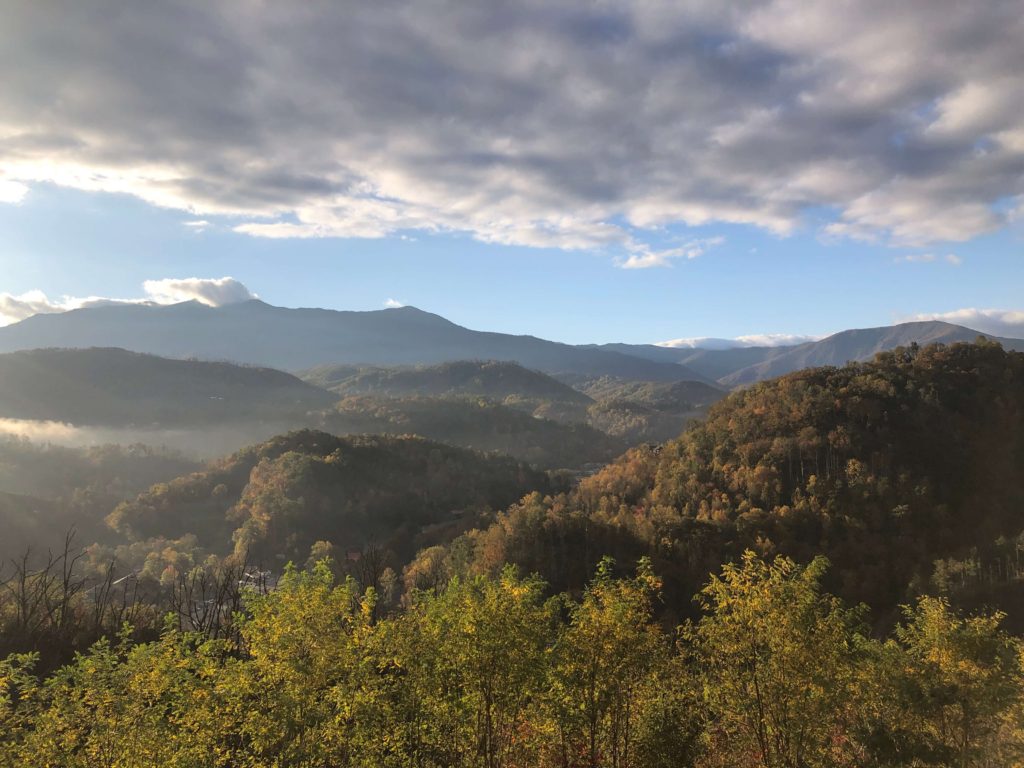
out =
column 637, row 170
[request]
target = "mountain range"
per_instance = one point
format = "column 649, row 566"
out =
column 255, row 333
column 741, row 366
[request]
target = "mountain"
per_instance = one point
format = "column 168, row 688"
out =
column 851, row 346
column 906, row 471
column 116, row 387
column 494, row 380
column 740, row 366
column 476, row 423
column 274, row 500
column 256, row 333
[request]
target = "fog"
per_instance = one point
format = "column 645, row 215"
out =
column 198, row 442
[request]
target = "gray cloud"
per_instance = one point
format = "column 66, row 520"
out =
column 571, row 125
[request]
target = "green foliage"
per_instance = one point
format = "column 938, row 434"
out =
column 776, row 658
column 488, row 672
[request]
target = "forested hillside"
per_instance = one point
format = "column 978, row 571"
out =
column 271, row 502
column 118, row 388
column 475, row 423
column 888, row 467
column 48, row 490
column 491, row 379
column 410, row 634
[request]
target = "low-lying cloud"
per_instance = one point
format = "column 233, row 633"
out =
column 573, row 125
column 751, row 340
column 997, row 322
column 214, row 292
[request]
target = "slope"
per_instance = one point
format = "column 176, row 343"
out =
column 116, row 387
column 256, row 333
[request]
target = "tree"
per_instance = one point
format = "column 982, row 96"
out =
column 958, row 682
column 776, row 657
column 608, row 663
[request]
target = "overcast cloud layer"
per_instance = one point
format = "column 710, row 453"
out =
column 573, row 124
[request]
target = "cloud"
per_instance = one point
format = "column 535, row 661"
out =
column 927, row 258
column 200, row 225
column 393, row 303
column 214, row 292
column 573, row 125
column 997, row 322
column 643, row 257
column 12, row 191
column 751, row 340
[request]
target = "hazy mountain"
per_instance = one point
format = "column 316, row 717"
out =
column 491, row 379
column 744, row 365
column 476, row 423
column 295, row 339
column 116, row 387
column 849, row 346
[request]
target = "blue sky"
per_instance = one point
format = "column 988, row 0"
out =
column 636, row 171
column 88, row 244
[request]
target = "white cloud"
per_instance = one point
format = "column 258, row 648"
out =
column 751, row 340
column 928, row 258
column 12, row 191
column 214, row 292
column 643, row 257
column 200, row 225
column 574, row 125
column 997, row 322
column 393, row 303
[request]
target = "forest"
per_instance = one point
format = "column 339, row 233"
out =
column 492, row 671
column 826, row 571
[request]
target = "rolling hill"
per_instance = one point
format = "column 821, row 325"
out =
column 906, row 471
column 274, row 500
column 478, row 424
column 491, row 379
column 116, row 387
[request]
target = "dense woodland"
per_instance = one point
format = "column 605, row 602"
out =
column 491, row 671
column 451, row 608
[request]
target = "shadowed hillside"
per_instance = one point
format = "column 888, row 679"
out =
column 114, row 387
column 274, row 500
column 888, row 467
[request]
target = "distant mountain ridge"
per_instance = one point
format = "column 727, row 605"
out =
column 257, row 333
column 856, row 346
column 741, row 366
column 493, row 379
